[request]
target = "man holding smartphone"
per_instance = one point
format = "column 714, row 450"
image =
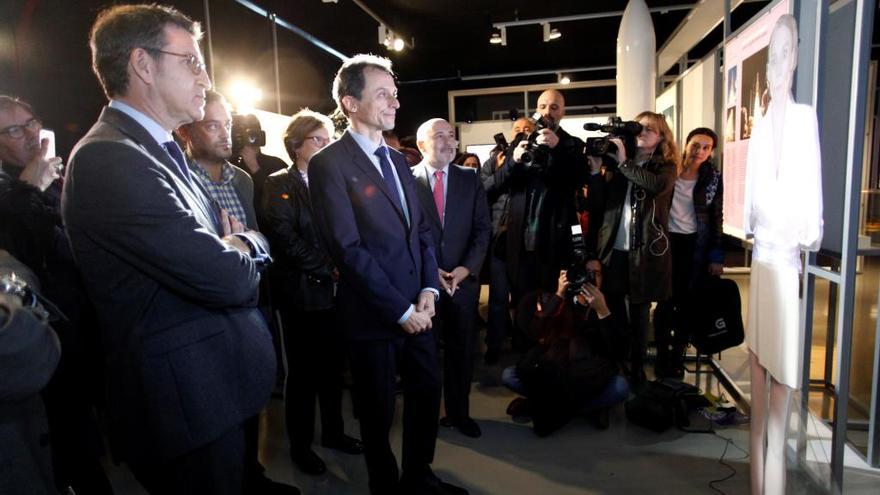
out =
column 24, row 155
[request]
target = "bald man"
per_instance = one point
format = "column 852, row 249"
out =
column 542, row 208
column 458, row 212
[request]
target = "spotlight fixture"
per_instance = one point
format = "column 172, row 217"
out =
column 550, row 33
column 244, row 95
column 499, row 37
column 563, row 79
column 390, row 40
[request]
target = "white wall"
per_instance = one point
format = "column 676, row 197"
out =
column 698, row 97
column 274, row 125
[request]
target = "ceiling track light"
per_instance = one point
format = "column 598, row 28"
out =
column 550, row 34
column 499, row 37
column 390, row 40
column 562, row 78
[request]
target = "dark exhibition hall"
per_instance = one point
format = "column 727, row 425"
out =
column 437, row 247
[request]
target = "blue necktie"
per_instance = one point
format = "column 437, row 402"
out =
column 388, row 175
column 177, row 155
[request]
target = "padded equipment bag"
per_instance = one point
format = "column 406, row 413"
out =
column 716, row 319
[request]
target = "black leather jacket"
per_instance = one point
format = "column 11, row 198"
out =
column 303, row 273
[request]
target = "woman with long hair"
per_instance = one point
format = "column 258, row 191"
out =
column 632, row 199
column 695, row 217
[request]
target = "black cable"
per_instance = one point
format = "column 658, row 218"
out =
column 727, row 442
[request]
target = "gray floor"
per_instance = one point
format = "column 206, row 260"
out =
column 510, row 459
column 579, row 459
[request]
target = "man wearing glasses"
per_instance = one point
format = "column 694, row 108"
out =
column 24, row 156
column 188, row 356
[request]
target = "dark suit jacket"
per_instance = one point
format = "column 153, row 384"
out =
column 464, row 238
column 302, row 274
column 188, row 355
column 384, row 262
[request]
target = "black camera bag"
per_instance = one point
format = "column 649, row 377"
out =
column 662, row 404
column 716, row 321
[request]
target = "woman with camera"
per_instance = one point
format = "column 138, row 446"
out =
column 303, row 288
column 695, row 217
column 632, row 200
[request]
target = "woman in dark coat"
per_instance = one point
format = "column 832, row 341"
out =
column 629, row 205
column 695, row 217
column 304, row 282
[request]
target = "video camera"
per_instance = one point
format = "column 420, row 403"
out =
column 577, row 272
column 246, row 131
column 615, row 127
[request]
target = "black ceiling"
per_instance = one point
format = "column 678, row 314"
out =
column 48, row 63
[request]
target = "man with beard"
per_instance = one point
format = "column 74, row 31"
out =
column 455, row 203
column 209, row 146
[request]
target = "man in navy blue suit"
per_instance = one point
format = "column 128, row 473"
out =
column 367, row 212
column 455, row 202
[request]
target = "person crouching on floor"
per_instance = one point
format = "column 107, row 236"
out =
column 573, row 369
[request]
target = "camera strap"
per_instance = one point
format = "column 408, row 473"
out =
column 637, row 195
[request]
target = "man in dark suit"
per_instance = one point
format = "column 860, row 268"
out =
column 455, row 202
column 174, row 281
column 367, row 212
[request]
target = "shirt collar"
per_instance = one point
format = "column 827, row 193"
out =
column 429, row 170
column 158, row 133
column 226, row 172
column 365, row 143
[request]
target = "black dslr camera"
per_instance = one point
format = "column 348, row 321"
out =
column 246, row 131
column 615, row 127
column 577, row 272
column 535, row 155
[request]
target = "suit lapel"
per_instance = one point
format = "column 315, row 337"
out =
column 454, row 188
column 366, row 165
column 191, row 194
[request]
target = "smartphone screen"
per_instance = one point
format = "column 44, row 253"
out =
column 50, row 135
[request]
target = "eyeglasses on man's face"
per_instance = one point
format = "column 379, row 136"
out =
column 18, row 131
column 195, row 64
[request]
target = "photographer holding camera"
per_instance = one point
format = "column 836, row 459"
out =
column 542, row 173
column 247, row 139
column 574, row 368
column 632, row 198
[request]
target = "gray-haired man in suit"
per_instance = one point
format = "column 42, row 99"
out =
column 455, row 203
column 173, row 279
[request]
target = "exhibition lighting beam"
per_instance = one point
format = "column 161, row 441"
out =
column 295, row 30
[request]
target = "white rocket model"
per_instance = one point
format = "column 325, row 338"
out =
column 636, row 64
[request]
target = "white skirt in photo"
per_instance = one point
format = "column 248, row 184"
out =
column 773, row 332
